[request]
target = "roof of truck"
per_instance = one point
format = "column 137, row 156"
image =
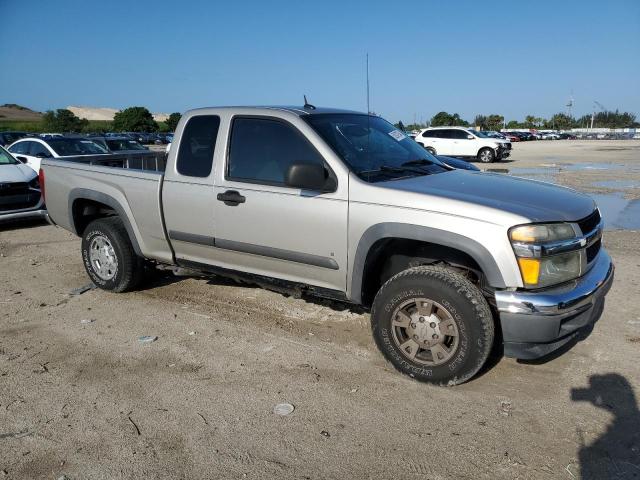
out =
column 298, row 110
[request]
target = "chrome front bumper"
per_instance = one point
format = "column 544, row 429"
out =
column 535, row 323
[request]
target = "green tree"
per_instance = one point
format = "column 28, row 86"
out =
column 444, row 119
column 63, row 120
column 134, row 119
column 480, row 122
column 514, row 124
column 560, row 121
column 495, row 122
column 172, row 121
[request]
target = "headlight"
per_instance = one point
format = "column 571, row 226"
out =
column 548, row 254
column 542, row 233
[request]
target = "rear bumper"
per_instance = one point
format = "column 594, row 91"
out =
column 535, row 324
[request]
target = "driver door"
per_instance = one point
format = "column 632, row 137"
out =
column 268, row 228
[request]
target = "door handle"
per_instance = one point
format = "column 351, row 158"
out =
column 231, row 198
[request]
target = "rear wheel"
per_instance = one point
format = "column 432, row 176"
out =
column 109, row 257
column 431, row 150
column 433, row 324
column 486, row 155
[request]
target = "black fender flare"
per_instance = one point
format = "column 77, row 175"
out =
column 474, row 249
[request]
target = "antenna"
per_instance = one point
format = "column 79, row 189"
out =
column 368, row 108
column 570, row 104
column 307, row 104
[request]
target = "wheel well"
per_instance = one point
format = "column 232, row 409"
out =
column 389, row 256
column 85, row 211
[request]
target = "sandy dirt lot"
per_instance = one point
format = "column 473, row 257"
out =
column 82, row 398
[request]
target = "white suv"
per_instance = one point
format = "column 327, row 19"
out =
column 463, row 142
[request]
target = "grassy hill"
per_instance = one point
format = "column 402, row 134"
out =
column 13, row 112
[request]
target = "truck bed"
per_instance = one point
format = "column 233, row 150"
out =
column 130, row 184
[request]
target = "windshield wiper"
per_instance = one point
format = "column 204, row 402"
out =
column 392, row 169
column 420, row 161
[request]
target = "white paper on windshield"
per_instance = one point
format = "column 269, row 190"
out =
column 398, row 135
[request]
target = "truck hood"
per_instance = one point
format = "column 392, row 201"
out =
column 536, row 201
column 16, row 173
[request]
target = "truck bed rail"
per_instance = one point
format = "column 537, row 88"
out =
column 150, row 161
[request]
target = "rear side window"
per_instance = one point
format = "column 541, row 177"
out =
column 429, row 133
column 195, row 157
column 262, row 150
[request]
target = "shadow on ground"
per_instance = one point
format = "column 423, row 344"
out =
column 616, row 453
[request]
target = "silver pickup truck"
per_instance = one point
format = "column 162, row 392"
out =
column 340, row 204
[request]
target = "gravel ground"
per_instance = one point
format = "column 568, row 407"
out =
column 81, row 397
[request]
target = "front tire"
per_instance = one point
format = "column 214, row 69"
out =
column 109, row 257
column 431, row 150
column 486, row 155
column 433, row 324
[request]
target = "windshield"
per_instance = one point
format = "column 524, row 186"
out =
column 373, row 148
column 124, row 144
column 6, row 158
column 65, row 147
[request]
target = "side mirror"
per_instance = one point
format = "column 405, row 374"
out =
column 21, row 158
column 470, row 137
column 308, row 176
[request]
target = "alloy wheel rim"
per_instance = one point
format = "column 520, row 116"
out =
column 425, row 332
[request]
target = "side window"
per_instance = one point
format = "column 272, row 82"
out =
column 195, row 157
column 444, row 134
column 20, row 148
column 429, row 133
column 459, row 134
column 36, row 149
column 261, row 150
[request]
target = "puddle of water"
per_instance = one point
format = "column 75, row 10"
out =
column 573, row 167
column 616, row 184
column 618, row 212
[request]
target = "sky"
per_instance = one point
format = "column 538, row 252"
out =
column 513, row 58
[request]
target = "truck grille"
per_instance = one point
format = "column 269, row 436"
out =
column 592, row 250
column 587, row 224
column 17, row 196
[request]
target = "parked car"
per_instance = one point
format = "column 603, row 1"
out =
column 7, row 138
column 342, row 205
column 463, row 142
column 20, row 195
column 549, row 136
column 32, row 150
column 511, row 137
column 119, row 144
column 567, row 136
column 493, row 134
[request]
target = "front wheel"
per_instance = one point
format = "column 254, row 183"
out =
column 433, row 324
column 109, row 257
column 486, row 155
column 431, row 150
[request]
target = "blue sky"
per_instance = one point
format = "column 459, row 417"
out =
column 513, row 58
